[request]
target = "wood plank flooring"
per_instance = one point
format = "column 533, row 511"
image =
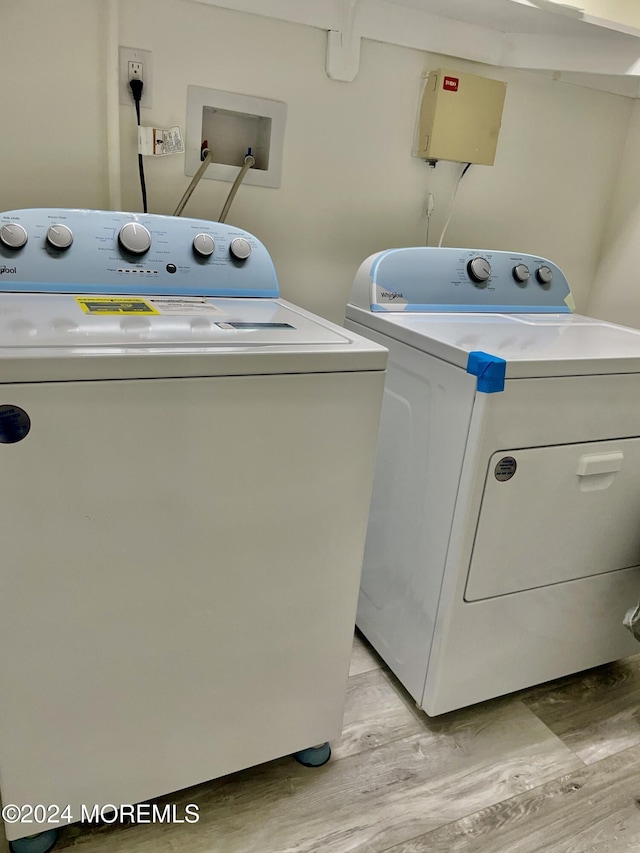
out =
column 553, row 769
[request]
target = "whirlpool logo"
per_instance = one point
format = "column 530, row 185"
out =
column 391, row 295
column 7, row 270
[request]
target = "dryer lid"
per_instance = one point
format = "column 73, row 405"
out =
column 531, row 345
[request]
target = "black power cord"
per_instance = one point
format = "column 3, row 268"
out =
column 136, row 85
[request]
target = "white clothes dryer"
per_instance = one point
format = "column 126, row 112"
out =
column 186, row 464
column 503, row 545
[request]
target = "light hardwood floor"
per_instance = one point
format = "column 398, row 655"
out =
column 553, row 769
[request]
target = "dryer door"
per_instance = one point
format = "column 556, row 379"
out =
column 553, row 514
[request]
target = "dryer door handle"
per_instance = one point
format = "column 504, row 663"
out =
column 599, row 463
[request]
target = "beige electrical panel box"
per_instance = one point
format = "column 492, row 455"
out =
column 460, row 118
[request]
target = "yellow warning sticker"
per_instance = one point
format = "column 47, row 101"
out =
column 115, row 305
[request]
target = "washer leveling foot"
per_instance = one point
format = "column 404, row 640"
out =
column 40, row 843
column 314, row 756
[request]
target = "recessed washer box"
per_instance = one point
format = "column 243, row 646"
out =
column 232, row 124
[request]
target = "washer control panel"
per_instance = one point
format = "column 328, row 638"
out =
column 97, row 251
column 426, row 278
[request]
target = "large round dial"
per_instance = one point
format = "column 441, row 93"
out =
column 240, row 248
column 203, row 245
column 59, row 236
column 135, row 238
column 13, row 236
column 521, row 273
column 544, row 275
column 479, row 270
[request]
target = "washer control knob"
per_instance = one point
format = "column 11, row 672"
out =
column 521, row 273
column 135, row 238
column 203, row 245
column 544, row 275
column 13, row 236
column 59, row 236
column 240, row 248
column 479, row 270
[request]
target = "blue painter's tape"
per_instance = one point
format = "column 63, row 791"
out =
column 490, row 370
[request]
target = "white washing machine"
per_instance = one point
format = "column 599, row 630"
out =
column 186, row 464
column 503, row 545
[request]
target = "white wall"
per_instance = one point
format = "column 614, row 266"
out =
column 350, row 186
column 616, row 290
column 52, row 106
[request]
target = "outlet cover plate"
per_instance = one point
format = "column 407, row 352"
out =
column 134, row 54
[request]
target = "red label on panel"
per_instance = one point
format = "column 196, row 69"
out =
column 450, row 83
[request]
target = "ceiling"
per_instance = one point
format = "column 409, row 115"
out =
column 505, row 16
column 537, row 35
column 536, row 17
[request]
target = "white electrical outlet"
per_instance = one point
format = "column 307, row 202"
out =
column 135, row 71
column 134, row 62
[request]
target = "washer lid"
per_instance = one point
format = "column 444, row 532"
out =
column 60, row 336
column 533, row 345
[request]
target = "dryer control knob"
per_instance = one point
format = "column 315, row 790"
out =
column 544, row 275
column 135, row 238
column 203, row 245
column 13, row 236
column 240, row 248
column 521, row 273
column 59, row 236
column 479, row 270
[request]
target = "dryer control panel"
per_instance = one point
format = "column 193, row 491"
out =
column 425, row 278
column 96, row 251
